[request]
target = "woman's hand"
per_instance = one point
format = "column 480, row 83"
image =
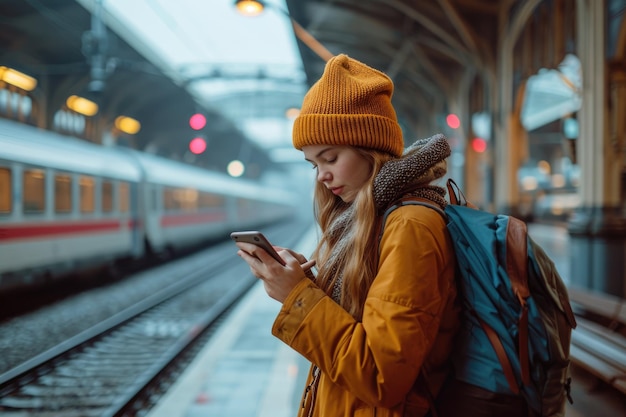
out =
column 307, row 266
column 278, row 280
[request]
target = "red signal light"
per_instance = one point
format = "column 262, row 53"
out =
column 197, row 121
column 453, row 121
column 197, row 146
column 479, row 145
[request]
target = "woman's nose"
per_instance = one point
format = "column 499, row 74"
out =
column 323, row 175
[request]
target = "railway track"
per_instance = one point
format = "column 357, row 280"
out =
column 122, row 365
column 115, row 366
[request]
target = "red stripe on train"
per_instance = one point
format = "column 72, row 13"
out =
column 40, row 230
column 31, row 231
column 190, row 219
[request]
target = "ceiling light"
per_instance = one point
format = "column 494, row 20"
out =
column 255, row 7
column 127, row 125
column 17, row 79
column 82, row 105
column 249, row 7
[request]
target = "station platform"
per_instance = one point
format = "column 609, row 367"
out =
column 246, row 372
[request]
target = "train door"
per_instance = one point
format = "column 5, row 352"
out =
column 152, row 211
column 129, row 207
column 9, row 196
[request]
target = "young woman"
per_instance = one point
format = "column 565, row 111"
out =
column 378, row 319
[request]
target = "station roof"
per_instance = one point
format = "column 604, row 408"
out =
column 56, row 42
column 167, row 57
column 427, row 47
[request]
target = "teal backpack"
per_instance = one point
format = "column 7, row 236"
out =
column 517, row 319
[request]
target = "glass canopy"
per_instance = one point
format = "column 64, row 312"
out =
column 247, row 67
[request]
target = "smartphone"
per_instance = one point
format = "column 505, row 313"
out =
column 257, row 238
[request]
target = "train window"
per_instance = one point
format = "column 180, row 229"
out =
column 169, row 199
column 187, row 199
column 34, row 193
column 62, row 193
column 87, row 194
column 208, row 200
column 124, row 197
column 107, row 196
column 183, row 199
column 6, row 200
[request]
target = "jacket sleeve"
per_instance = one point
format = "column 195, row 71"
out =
column 378, row 359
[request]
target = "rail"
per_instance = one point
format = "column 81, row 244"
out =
column 599, row 342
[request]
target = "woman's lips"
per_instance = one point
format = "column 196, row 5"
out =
column 336, row 190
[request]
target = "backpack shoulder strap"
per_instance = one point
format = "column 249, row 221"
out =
column 517, row 270
column 405, row 202
column 457, row 198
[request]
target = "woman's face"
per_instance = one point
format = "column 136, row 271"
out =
column 342, row 169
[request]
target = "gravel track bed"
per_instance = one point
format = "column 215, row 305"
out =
column 26, row 336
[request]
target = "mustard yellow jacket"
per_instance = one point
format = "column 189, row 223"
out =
column 370, row 368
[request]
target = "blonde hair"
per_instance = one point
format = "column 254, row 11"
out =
column 359, row 261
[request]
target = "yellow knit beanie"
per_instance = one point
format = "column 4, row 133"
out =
column 349, row 105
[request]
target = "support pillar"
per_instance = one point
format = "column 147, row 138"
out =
column 598, row 228
column 507, row 158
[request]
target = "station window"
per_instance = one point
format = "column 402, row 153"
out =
column 107, row 196
column 6, row 196
column 15, row 105
column 69, row 122
column 34, row 194
column 62, row 193
column 124, row 197
column 87, row 194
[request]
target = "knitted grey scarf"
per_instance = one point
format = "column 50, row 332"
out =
column 410, row 175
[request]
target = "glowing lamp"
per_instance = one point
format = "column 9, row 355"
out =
column 235, row 168
column 249, row 7
column 197, row 121
column 479, row 145
column 197, row 146
column 81, row 105
column 17, row 78
column 453, row 121
column 255, row 7
column 127, row 125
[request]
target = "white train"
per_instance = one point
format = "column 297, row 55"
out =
column 66, row 204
